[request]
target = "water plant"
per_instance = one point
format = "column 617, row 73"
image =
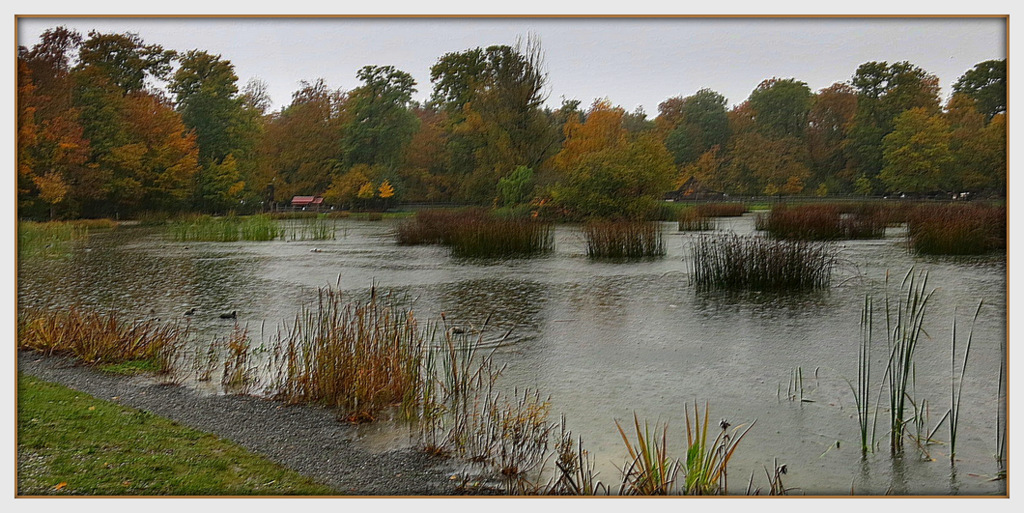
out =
column 705, row 469
column 259, row 228
column 47, row 239
column 477, row 234
column 822, row 222
column 358, row 358
column 733, row 262
column 575, row 474
column 957, row 229
column 862, row 394
column 694, row 220
column 904, row 327
column 100, row 338
column 957, row 385
column 650, row 470
column 733, row 209
column 318, row 227
column 623, row 239
column 239, row 374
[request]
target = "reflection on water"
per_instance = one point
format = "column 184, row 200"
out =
column 605, row 340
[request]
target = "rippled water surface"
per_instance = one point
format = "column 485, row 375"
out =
column 606, row 340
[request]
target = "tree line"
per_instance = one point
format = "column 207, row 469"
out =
column 109, row 125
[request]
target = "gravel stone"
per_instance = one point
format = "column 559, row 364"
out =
column 307, row 439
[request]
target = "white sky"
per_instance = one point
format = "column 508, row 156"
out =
column 633, row 62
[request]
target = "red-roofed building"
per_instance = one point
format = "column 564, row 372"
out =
column 305, row 202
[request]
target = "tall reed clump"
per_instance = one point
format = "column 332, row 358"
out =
column 318, row 227
column 722, row 209
column 650, row 470
column 733, row 262
column 358, row 358
column 822, row 222
column 463, row 412
column 961, row 229
column 489, row 238
column 904, row 326
column 862, row 394
column 706, row 466
column 205, row 228
column 704, row 469
column 624, row 239
column 260, row 227
column 47, row 239
column 475, row 233
column 98, row 338
column 693, row 220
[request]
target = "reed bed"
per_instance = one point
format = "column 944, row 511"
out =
column 47, row 239
column 318, row 227
column 475, row 233
column 733, row 262
column 693, row 220
column 624, row 239
column 358, row 358
column 99, row 338
column 502, row 238
column 823, row 222
column 961, row 229
column 204, row 228
column 722, row 209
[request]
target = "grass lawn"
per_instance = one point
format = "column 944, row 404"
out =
column 70, row 443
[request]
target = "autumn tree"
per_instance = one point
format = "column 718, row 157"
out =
column 380, row 125
column 884, row 91
column 828, row 123
column 493, row 98
column 978, row 149
column 916, row 153
column 207, row 96
column 781, row 107
column 985, row 83
column 52, row 148
column 300, row 148
column 607, row 172
column 700, row 123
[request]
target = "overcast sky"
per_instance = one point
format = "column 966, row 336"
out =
column 632, row 62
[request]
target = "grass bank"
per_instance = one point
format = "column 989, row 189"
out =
column 70, row 443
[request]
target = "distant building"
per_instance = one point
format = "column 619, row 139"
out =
column 307, row 202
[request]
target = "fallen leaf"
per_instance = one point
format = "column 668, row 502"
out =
column 61, row 485
column 91, row 408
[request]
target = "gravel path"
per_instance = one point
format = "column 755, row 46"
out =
column 306, row 439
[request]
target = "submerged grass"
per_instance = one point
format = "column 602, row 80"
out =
column 733, row 262
column 624, row 239
column 957, row 229
column 957, row 385
column 823, row 222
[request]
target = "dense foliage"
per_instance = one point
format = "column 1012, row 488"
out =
column 111, row 126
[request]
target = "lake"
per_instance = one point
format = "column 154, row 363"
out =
column 607, row 340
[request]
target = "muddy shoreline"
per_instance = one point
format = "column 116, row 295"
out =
column 306, row 439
